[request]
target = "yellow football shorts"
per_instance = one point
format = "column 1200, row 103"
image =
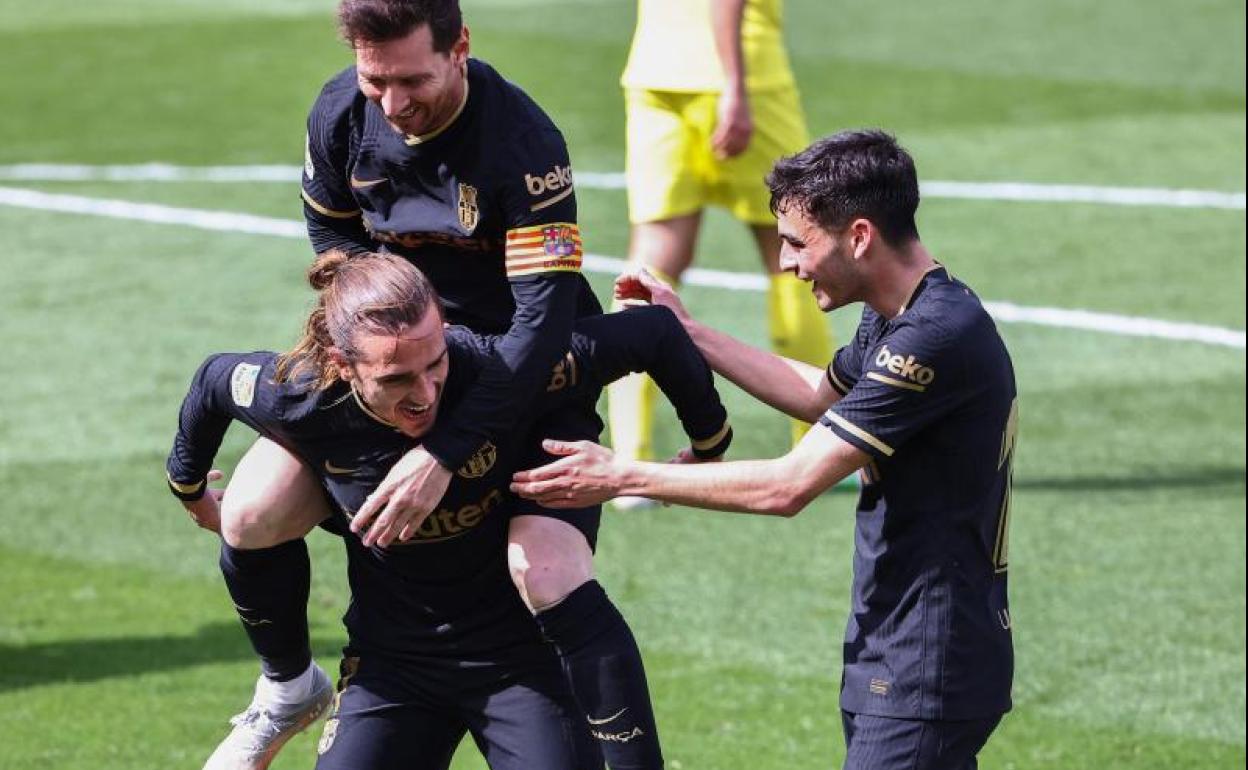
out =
column 671, row 170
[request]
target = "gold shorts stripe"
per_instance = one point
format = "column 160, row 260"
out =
column 709, row 443
column 854, row 430
column 895, row 382
column 185, row 489
column 551, row 201
column 328, row 211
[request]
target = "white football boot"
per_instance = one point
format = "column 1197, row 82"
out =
column 261, row 731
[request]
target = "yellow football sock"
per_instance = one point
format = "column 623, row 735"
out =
column 798, row 329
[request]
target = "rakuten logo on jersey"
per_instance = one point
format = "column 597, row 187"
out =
column 908, row 368
column 553, row 181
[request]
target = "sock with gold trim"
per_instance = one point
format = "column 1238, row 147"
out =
column 270, row 589
column 602, row 664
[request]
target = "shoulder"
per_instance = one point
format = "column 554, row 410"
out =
column 338, row 100
column 505, row 101
column 951, row 322
column 524, row 132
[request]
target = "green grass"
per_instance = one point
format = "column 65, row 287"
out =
column 119, row 646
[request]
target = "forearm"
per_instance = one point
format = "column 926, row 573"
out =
column 747, row 486
column 790, row 386
column 726, row 28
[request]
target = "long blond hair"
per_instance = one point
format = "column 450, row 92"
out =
column 377, row 293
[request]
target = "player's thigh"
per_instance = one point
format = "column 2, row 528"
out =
column 549, row 555
column 884, row 743
column 374, row 726
column 272, row 497
column 779, row 130
column 534, row 723
column 664, row 161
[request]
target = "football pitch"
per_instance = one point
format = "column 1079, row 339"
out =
column 119, row 647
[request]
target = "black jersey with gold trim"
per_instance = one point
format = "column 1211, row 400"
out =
column 485, row 206
column 446, row 592
column 488, row 198
column 930, row 395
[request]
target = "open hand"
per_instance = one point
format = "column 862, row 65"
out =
column 403, row 500
column 586, row 474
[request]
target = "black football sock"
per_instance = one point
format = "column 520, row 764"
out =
column 603, row 665
column 270, row 588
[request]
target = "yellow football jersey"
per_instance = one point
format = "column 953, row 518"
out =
column 674, row 47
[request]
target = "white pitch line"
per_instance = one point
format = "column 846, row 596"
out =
column 593, row 180
column 225, row 221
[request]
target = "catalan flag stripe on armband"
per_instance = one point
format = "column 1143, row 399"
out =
column 549, row 248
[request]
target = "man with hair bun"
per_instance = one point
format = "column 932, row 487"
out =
column 440, row 643
column 421, row 151
column 921, row 403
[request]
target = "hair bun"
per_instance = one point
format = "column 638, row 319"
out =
column 326, row 267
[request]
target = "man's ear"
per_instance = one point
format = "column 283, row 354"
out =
column 340, row 362
column 461, row 47
column 862, row 235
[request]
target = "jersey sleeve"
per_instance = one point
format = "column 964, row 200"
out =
column 915, row 376
column 226, row 387
column 651, row 340
column 332, row 214
column 543, row 264
column 846, row 366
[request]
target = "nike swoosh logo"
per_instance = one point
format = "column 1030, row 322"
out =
column 614, row 716
column 337, row 471
column 362, row 183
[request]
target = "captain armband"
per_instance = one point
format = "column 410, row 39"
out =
column 715, row 446
column 187, row 492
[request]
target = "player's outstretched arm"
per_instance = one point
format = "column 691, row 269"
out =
column 795, row 388
column 652, row 341
column 222, row 388
column 587, row 474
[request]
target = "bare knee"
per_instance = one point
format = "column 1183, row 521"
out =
column 272, row 498
column 249, row 526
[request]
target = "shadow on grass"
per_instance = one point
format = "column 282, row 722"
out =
column 87, row 660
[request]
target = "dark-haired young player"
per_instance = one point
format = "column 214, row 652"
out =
column 922, row 404
column 440, row 642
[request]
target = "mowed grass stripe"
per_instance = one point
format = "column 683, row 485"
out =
column 255, row 225
column 1024, row 192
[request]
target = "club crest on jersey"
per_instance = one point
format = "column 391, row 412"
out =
column 243, row 384
column 480, row 463
column 558, row 241
column 308, row 168
column 469, row 214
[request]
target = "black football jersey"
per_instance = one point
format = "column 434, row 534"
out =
column 930, row 395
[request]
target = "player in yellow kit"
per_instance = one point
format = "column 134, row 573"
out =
column 711, row 105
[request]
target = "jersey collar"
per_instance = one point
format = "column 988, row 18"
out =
column 412, row 140
column 921, row 285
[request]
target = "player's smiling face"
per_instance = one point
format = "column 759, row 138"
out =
column 417, row 88
column 825, row 259
column 400, row 376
